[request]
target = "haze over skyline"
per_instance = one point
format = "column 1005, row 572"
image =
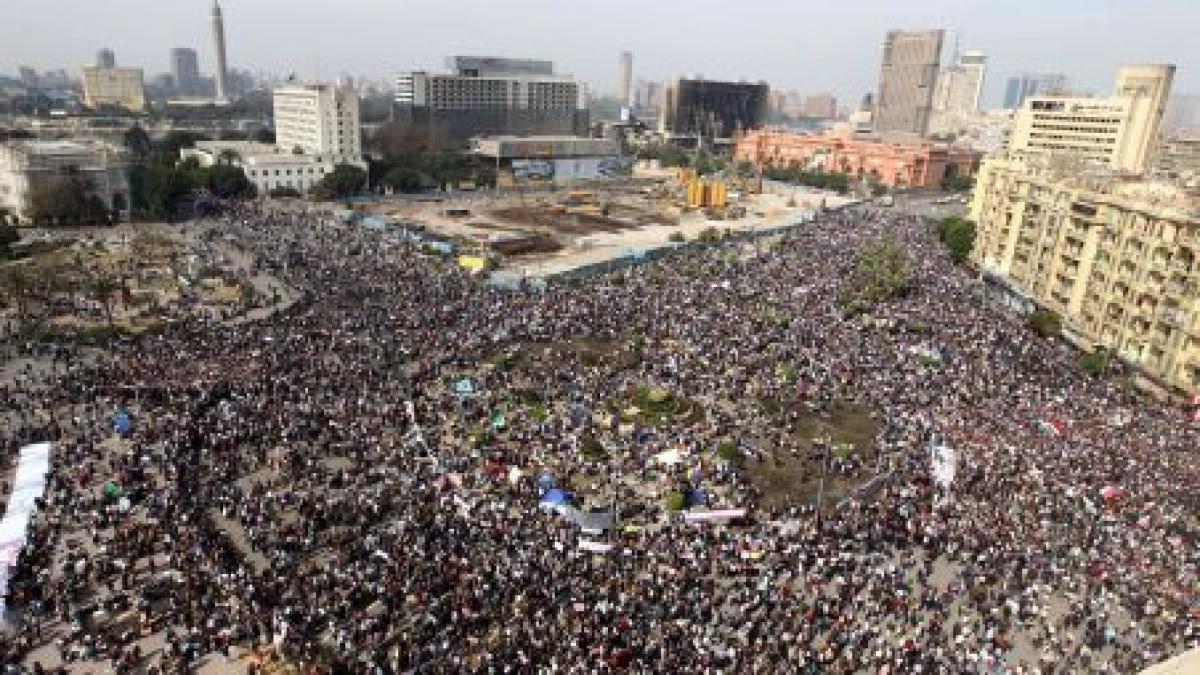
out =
column 801, row 46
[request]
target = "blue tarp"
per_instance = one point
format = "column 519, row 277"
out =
column 546, row 482
column 556, row 497
column 442, row 247
column 122, row 422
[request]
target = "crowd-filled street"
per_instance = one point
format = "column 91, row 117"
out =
column 352, row 483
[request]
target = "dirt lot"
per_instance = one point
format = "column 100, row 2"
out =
column 795, row 480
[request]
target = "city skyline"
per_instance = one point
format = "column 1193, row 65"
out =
column 840, row 52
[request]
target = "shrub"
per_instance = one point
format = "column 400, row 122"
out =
column 1045, row 323
column 709, row 235
column 592, row 449
column 677, row 238
column 1094, row 363
column 958, row 235
column 728, row 451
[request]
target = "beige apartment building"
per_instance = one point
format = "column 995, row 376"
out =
column 119, row 87
column 1119, row 130
column 1117, row 257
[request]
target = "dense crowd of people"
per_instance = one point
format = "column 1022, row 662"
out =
column 314, row 487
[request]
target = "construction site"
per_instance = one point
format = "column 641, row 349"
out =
column 538, row 230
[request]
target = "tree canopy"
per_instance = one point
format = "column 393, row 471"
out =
column 344, row 181
column 958, row 234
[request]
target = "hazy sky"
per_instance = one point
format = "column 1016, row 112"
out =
column 808, row 45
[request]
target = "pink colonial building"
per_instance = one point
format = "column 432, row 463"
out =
column 898, row 163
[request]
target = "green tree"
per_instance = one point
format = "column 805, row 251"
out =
column 882, row 273
column 344, row 181
column 1094, row 363
column 228, row 182
column 1045, row 323
column 137, row 141
column 958, row 235
column 66, row 198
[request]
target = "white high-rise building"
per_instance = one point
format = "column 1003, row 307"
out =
column 319, row 119
column 1119, row 130
column 959, row 89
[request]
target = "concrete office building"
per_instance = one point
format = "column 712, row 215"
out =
column 1023, row 86
column 491, row 96
column 318, row 119
column 185, row 70
column 24, row 163
column 117, row 87
column 712, row 109
column 1117, row 258
column 106, row 58
column 625, row 78
column 907, row 78
column 221, row 73
column 1119, row 130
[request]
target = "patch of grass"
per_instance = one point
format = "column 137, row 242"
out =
column 769, row 406
column 538, row 413
column 592, row 449
column 728, row 451
column 674, row 501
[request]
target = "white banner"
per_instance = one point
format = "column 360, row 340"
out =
column 29, row 483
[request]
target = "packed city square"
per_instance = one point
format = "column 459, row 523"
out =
column 358, row 481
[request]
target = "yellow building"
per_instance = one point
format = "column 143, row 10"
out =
column 1119, row 130
column 1117, row 258
column 120, row 87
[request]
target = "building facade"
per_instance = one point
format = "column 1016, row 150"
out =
column 1118, row 259
column 713, row 109
column 959, row 89
column 117, row 87
column 185, row 70
column 553, row 159
column 1179, row 155
column 106, row 58
column 269, row 167
column 907, row 78
column 823, row 106
column 916, row 164
column 1119, row 130
column 319, row 119
column 486, row 96
column 1025, row 85
column 625, row 78
column 24, row 163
